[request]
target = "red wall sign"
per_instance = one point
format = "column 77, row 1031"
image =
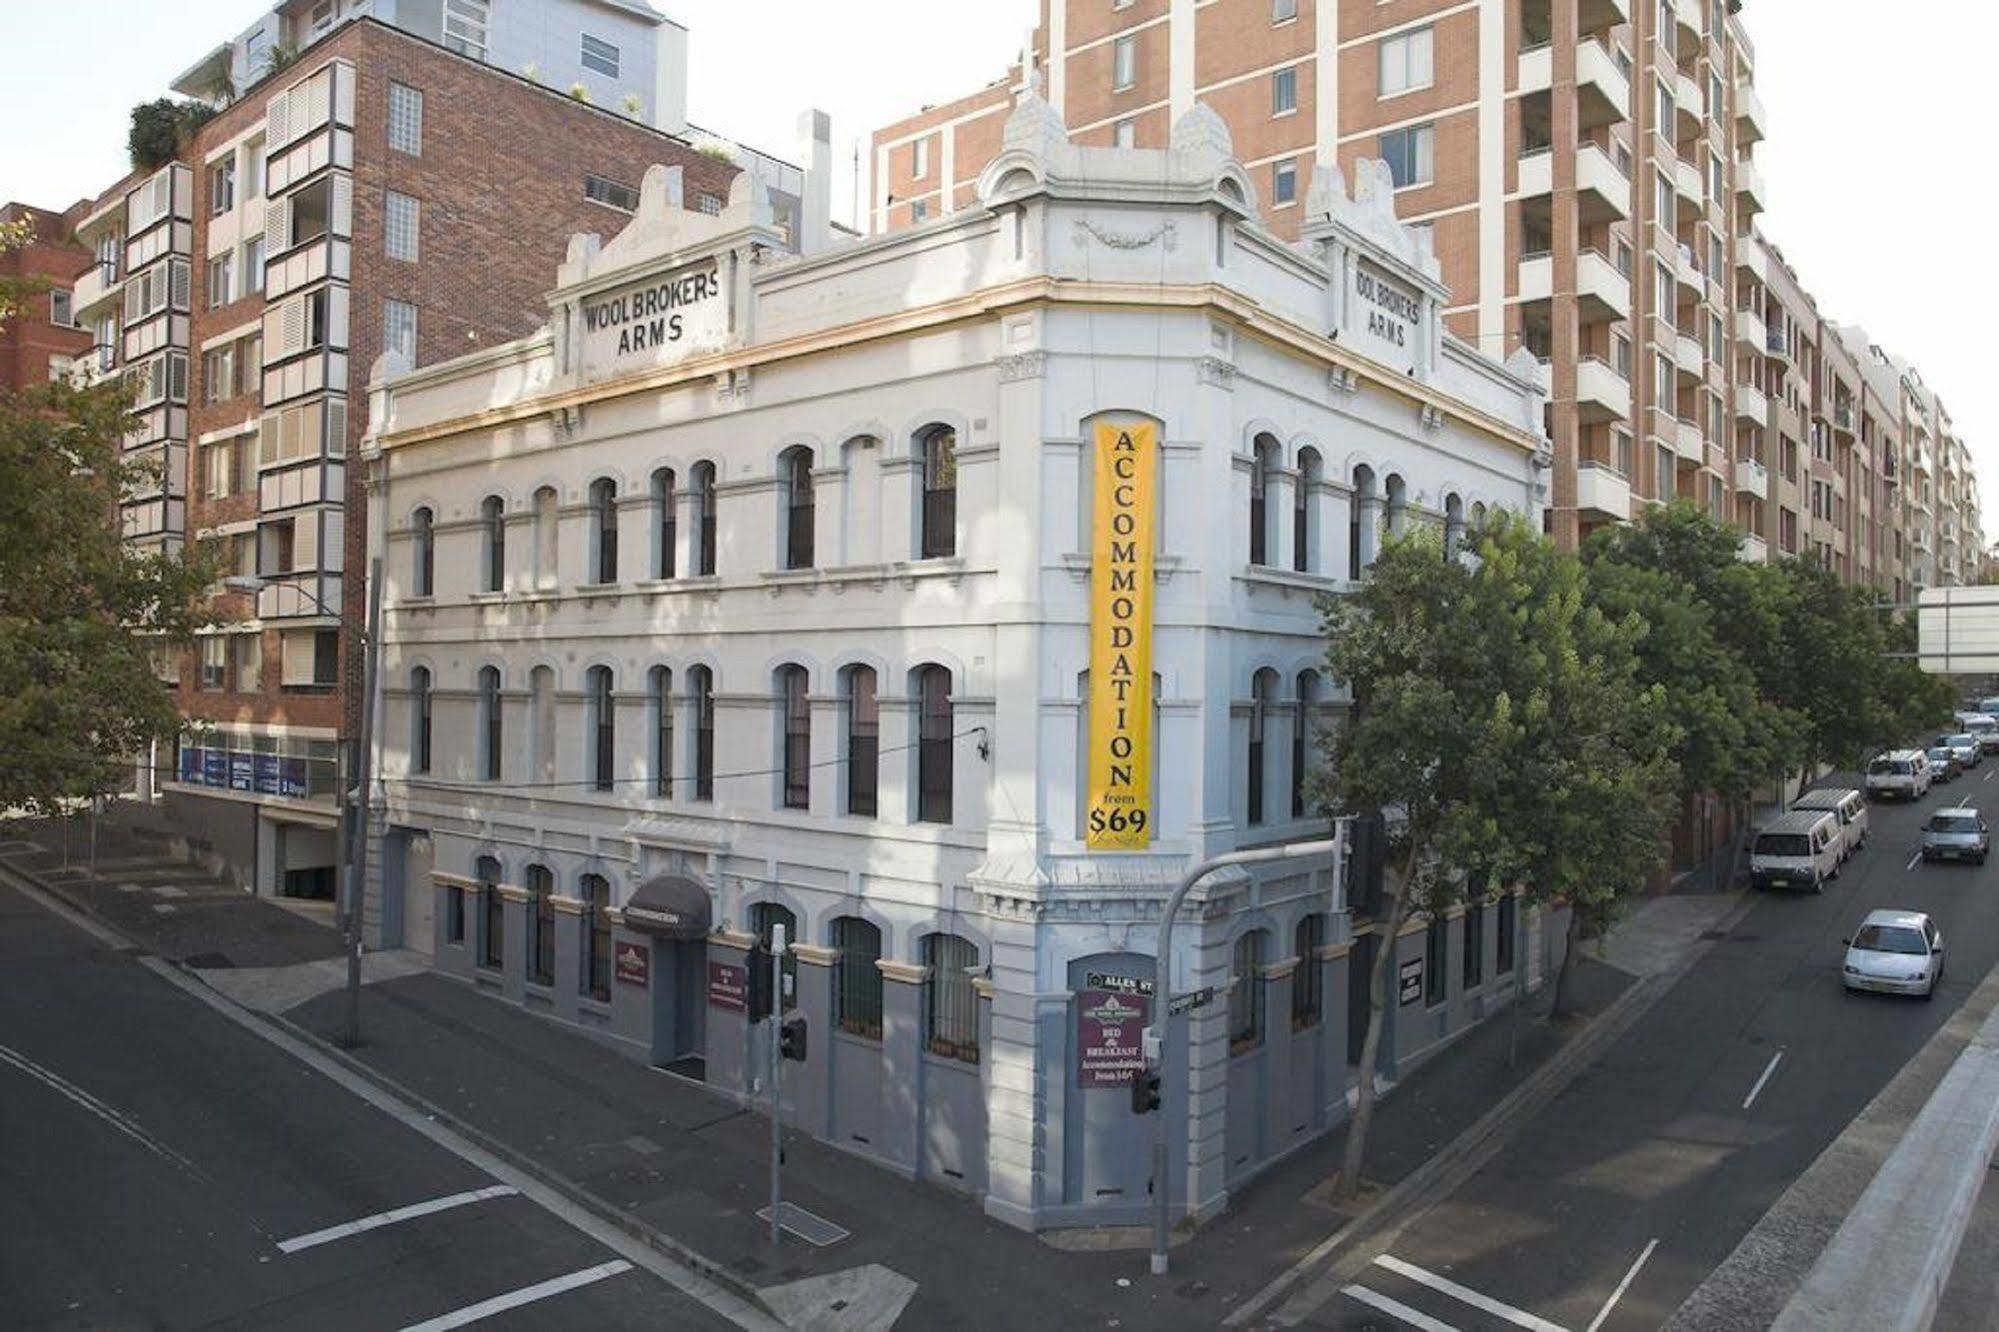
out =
column 631, row 962
column 728, row 986
column 1109, row 1037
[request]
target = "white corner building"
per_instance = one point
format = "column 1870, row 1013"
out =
column 757, row 588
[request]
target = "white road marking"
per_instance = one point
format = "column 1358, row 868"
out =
column 1988, row 776
column 117, row 1120
column 1768, row 1069
column 1396, row 1309
column 1912, row 860
column 390, row 1217
column 1622, row 1286
column 1466, row 1295
column 514, row 1299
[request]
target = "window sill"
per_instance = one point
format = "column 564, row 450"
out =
column 1291, row 578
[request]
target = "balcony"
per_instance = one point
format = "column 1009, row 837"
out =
column 1842, row 417
column 1751, row 478
column 1603, row 193
column 1687, row 272
column 1749, row 193
column 1688, row 103
column 1601, row 494
column 1687, row 356
column 1537, row 69
column 1601, row 393
column 1687, row 442
column 1603, row 91
column 99, row 286
column 1602, row 293
column 1751, row 258
column 1751, row 330
column 1753, row 550
column 1687, row 184
column 1750, row 120
column 1599, row 15
column 1751, row 405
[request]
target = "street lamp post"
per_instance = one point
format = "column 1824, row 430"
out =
column 350, row 861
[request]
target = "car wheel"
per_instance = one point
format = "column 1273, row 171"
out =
column 1818, row 883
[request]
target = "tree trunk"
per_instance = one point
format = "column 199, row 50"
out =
column 1555, row 1010
column 1370, row 1047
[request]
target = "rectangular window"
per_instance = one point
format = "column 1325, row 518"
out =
column 1436, row 955
column 465, row 27
column 406, row 118
column 219, row 470
column 1663, row 108
column 919, row 210
column 919, row 159
column 1284, row 91
column 218, row 381
column 1509, row 907
column 454, row 914
column 1125, row 134
column 951, row 1004
column 1407, row 61
column 615, row 194
column 541, row 925
column 214, row 662
column 253, row 169
column 222, row 187
column 400, row 219
column 253, row 265
column 600, row 56
column 1246, row 993
column 1283, row 11
column 597, row 938
column 1284, row 183
column 221, row 278
column 1308, row 981
column 1411, row 155
column 857, row 981
column 1662, row 382
column 59, row 309
column 1124, row 63
column 493, row 931
column 1662, row 474
column 399, row 329
column 1662, row 200
column 246, row 653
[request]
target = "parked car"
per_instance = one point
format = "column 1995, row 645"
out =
column 1943, row 763
column 1958, row 833
column 1983, row 730
column 1894, row 952
column 1989, row 705
column 1964, row 745
column 1846, row 804
column 1801, row 849
column 1903, row 773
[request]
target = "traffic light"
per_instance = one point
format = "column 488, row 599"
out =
column 758, row 988
column 791, row 1037
column 1145, row 1091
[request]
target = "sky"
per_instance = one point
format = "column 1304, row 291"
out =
column 1876, row 115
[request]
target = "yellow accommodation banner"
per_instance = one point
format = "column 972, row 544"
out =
column 1118, row 814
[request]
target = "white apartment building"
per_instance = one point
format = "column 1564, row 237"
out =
column 759, row 589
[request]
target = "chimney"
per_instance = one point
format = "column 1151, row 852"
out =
column 815, row 154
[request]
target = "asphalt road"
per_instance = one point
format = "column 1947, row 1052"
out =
column 161, row 1167
column 1644, row 1174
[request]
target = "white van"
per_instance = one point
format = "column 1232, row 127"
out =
column 1849, row 805
column 1800, row 849
column 1904, row 773
column 1983, row 728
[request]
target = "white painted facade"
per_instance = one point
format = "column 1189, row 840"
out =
column 1087, row 284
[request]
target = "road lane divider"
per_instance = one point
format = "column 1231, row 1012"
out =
column 1466, row 1295
column 1918, row 855
column 118, row 1120
column 1622, row 1286
column 361, row 1225
column 1396, row 1309
column 514, row 1299
column 1768, row 1069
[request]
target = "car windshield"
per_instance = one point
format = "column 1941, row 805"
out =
column 1941, row 754
column 1783, row 844
column 1953, row 823
column 1887, row 768
column 1960, row 741
column 1891, row 939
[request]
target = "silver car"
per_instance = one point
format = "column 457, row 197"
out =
column 1964, row 745
column 1895, row 952
column 1956, row 834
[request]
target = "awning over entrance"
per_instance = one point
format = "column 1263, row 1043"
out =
column 671, row 906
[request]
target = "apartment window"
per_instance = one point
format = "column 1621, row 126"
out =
column 1246, row 993
column 214, row 662
column 1623, row 251
column 701, row 684
column 222, row 186
column 220, row 469
column 1621, row 446
column 796, row 470
column 919, row 210
column 221, row 278
column 599, row 56
column 541, row 925
column 253, row 264
column 492, row 914
column 1124, row 63
column 465, row 27
column 1301, row 730
column 1508, row 918
column 604, row 190
column 940, row 494
column 1662, row 289
column 1663, row 109
column 454, row 914
column 423, row 553
column 1309, row 477
column 400, row 219
column 1407, row 61
column 1620, row 355
column 253, row 169
column 493, row 521
column 1284, row 91
column 1662, row 474
column 1662, row 200
column 950, row 1003
column 1260, row 690
column 665, row 528
column 919, row 159
column 711, row 204
column 420, row 719
column 604, row 530
column 246, row 652
column 1474, row 961
column 1125, row 134
column 704, row 517
column 659, row 699
column 490, row 723
column 399, row 329
column 1662, row 383
column 1308, row 985
column 1436, row 952
column 603, row 728
column 59, row 309
column 795, row 725
column 405, row 119
column 1410, row 154
column 933, row 745
column 596, row 977
column 218, row 380
column 1283, row 11
column 1263, row 456
column 857, row 981
column 1284, row 183
column 863, row 742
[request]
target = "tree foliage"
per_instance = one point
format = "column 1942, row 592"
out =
column 161, row 128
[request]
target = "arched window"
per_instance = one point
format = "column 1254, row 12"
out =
column 1263, row 458
column 604, row 530
column 795, row 472
column 1360, row 521
column 701, row 685
column 603, row 728
column 765, row 917
column 704, row 518
column 659, row 699
column 490, row 748
column 1246, row 993
column 795, row 725
column 950, row 1003
column 863, row 741
column 1301, row 731
column 1308, row 989
column 423, row 554
column 857, row 981
column 939, row 530
column 1304, row 505
column 420, row 719
column 541, row 925
column 1454, row 524
column 1262, row 690
column 492, row 914
column 541, row 708
column 1396, row 508
column 933, row 744
column 1478, row 516
column 596, row 970
column 664, row 531
column 493, row 525
column 546, row 538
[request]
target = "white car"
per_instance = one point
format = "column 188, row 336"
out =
column 1895, row 952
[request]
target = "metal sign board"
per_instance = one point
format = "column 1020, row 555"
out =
column 1411, row 981
column 1184, row 1003
column 1104, row 980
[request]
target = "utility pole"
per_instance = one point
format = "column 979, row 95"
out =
column 357, row 863
column 776, row 1021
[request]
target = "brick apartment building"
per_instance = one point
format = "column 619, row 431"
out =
column 1586, row 171
column 379, row 194
column 42, row 338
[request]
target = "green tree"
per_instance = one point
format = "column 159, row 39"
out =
column 15, row 291
column 161, row 128
column 1832, row 666
column 1912, row 699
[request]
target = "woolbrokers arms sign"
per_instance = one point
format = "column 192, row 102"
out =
column 1385, row 318
column 1119, row 815
column 658, row 321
